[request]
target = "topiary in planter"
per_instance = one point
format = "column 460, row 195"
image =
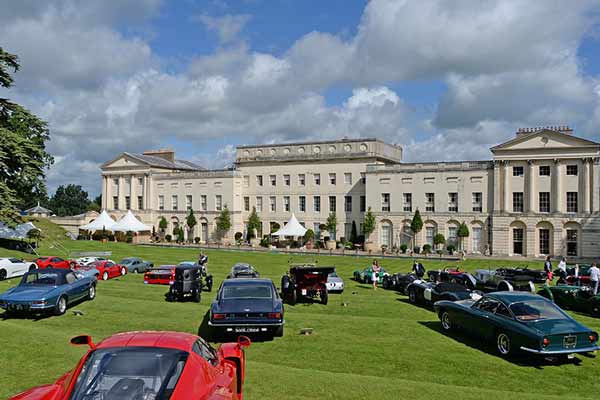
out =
column 451, row 249
column 417, row 250
column 168, row 238
column 197, row 240
column 403, row 248
column 427, row 248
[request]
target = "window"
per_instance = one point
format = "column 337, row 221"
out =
column 317, row 179
column 518, row 241
column 407, row 199
column 544, row 241
column 348, row 178
column 476, row 240
column 259, row 204
column 517, row 171
column 572, row 202
column 302, row 203
column 140, row 202
column 363, row 203
column 429, row 234
column 348, row 203
column 188, row 202
column 572, row 242
column 518, row 202
column 317, row 230
column 332, row 205
column 203, row 202
column 246, row 180
column 204, row 350
column 286, row 203
column 363, row 178
column 544, row 170
column 127, row 202
column 286, row 180
column 544, row 202
column 502, row 311
column 317, row 203
column 332, row 178
column 347, row 230
column 301, row 179
column 161, row 202
column 487, row 305
column 430, row 202
column 273, row 202
column 273, row 180
column 116, row 202
column 385, row 202
column 452, row 236
column 259, row 180
column 453, row 202
column 246, row 203
column 477, row 201
column 572, row 170
column 219, row 202
column 174, row 202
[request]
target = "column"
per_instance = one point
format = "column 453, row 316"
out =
column 132, row 192
column 506, row 206
column 496, row 186
column 595, row 188
column 557, row 186
column 109, row 187
column 149, row 192
column 586, row 187
column 121, row 193
column 104, row 192
column 531, row 186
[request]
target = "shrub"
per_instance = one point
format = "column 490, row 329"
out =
column 360, row 239
column 197, row 240
column 309, row 235
column 238, row 236
column 168, row 238
column 451, row 249
column 326, row 239
column 129, row 237
column 265, row 241
column 417, row 250
column 403, row 248
column 427, row 248
column 439, row 239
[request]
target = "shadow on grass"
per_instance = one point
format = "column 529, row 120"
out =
column 206, row 332
column 424, row 306
column 522, row 359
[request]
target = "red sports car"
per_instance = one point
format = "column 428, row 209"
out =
column 163, row 275
column 150, row 365
column 108, row 269
column 54, row 262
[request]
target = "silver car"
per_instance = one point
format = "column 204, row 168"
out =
column 335, row 283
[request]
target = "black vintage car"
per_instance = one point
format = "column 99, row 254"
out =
column 533, row 275
column 305, row 281
column 422, row 292
column 398, row 281
column 187, row 283
column 243, row 270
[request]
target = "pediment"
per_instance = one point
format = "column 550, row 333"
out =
column 124, row 160
column 545, row 139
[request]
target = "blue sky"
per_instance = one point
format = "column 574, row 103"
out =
column 204, row 76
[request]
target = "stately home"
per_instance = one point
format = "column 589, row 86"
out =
column 538, row 195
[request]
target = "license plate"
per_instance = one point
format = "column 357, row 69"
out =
column 246, row 330
column 303, row 292
column 569, row 342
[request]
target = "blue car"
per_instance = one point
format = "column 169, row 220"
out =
column 247, row 306
column 48, row 290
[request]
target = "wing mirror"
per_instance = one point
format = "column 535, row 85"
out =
column 244, row 341
column 83, row 339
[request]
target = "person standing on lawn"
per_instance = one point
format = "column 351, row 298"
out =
column 375, row 268
column 562, row 270
column 594, row 277
column 548, row 270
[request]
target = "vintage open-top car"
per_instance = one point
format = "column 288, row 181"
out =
column 492, row 281
column 366, row 275
column 519, row 321
column 523, row 273
column 577, row 298
column 424, row 292
column 305, row 281
column 150, row 365
column 13, row 267
column 187, row 283
column 582, row 278
column 398, row 281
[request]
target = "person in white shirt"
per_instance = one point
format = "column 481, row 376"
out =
column 562, row 270
column 594, row 277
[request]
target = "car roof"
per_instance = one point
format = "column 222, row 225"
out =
column 167, row 339
column 513, row 297
column 247, row 281
column 165, row 267
column 242, row 265
column 187, row 266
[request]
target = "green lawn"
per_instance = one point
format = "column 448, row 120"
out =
column 378, row 346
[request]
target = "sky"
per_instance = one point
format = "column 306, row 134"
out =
column 446, row 80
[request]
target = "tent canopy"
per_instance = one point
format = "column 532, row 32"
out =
column 104, row 221
column 292, row 228
column 130, row 223
column 20, row 231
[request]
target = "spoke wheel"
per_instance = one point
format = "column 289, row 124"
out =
column 412, row 296
column 92, row 292
column 61, row 306
column 446, row 324
column 503, row 344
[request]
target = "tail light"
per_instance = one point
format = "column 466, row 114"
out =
column 218, row 316
column 546, row 342
column 593, row 338
column 274, row 315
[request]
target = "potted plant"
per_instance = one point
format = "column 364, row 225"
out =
column 331, row 227
column 368, row 229
column 224, row 224
column 426, row 249
column 403, row 248
column 309, row 236
column 197, row 239
column 416, row 225
column 416, row 250
column 254, row 226
column 168, row 238
column 451, row 249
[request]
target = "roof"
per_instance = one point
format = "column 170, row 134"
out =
column 38, row 209
column 247, row 281
column 155, row 161
column 345, row 140
column 512, row 297
column 524, row 136
column 166, row 339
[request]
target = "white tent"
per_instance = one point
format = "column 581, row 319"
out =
column 130, row 223
column 104, row 221
column 19, row 232
column 292, row 228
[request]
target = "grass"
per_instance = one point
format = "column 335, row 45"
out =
column 378, row 346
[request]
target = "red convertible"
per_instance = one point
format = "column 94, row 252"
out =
column 108, row 269
column 163, row 275
column 55, row 262
column 150, row 365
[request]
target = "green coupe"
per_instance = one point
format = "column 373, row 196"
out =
column 366, row 275
column 577, row 298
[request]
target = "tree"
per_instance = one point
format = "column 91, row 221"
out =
column 254, row 223
column 463, row 232
column 331, row 225
column 69, row 200
column 439, row 239
column 309, row 235
column 96, row 204
column 416, row 225
column 162, row 224
column 191, row 222
column 353, row 233
column 224, row 222
column 369, row 224
column 23, row 156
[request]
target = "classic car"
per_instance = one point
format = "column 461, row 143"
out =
column 533, row 275
column 424, row 292
column 398, row 281
column 207, row 283
column 247, row 305
column 135, row 264
column 89, row 260
column 491, row 281
column 243, row 270
column 87, row 270
column 150, row 365
column 54, row 262
column 13, row 267
column 334, row 283
column 452, row 275
column 577, row 298
column 583, row 276
column 366, row 275
column 305, row 281
column 519, row 321
column 48, row 289
column 161, row 275
column 187, row 283
column 108, row 270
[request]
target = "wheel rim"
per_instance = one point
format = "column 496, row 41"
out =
column 105, row 276
column 123, row 272
column 411, row 296
column 503, row 343
column 62, row 305
column 446, row 321
column 135, row 271
column 2, row 275
column 92, row 292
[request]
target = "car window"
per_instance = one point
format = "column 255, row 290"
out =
column 487, row 304
column 503, row 311
column 247, row 292
column 58, row 259
column 16, row 261
column 535, row 310
column 70, row 278
column 109, row 264
column 205, row 351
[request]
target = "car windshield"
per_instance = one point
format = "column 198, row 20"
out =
column 130, row 373
column 247, row 292
column 42, row 278
column 242, row 268
column 127, row 261
column 333, row 275
column 535, row 310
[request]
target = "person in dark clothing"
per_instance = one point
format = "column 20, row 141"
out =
column 548, row 270
column 418, row 269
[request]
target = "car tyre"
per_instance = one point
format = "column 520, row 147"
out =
column 72, row 265
column 445, row 320
column 2, row 274
column 279, row 331
column 196, row 296
column 324, row 296
column 105, row 276
column 61, row 306
column 412, row 295
column 91, row 292
column 293, row 297
column 503, row 344
column 123, row 271
column 32, row 267
column 136, row 271
column 386, row 283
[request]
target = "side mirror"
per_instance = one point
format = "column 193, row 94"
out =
column 244, row 341
column 83, row 339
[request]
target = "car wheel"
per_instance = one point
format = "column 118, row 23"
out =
column 105, row 276
column 136, row 271
column 61, row 306
column 445, row 320
column 2, row 274
column 92, row 292
column 324, row 296
column 412, row 295
column 279, row 331
column 196, row 296
column 503, row 344
column 293, row 297
column 386, row 283
column 32, row 267
column 123, row 271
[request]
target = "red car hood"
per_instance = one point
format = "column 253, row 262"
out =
column 45, row 392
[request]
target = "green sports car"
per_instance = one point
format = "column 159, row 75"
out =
column 577, row 298
column 366, row 275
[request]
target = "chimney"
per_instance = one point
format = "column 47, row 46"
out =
column 557, row 128
column 167, row 154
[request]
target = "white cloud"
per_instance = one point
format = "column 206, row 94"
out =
column 227, row 26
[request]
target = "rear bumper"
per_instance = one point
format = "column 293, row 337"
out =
column 247, row 324
column 566, row 351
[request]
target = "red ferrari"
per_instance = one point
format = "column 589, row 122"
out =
column 150, row 365
column 54, row 262
column 108, row 269
column 163, row 275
